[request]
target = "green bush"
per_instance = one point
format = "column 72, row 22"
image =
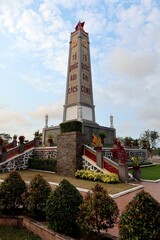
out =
column 11, row 191
column 36, row 197
column 43, row 164
column 98, row 212
column 72, row 126
column 140, row 219
column 97, row 176
column 62, row 209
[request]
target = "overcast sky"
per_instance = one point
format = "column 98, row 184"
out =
column 125, row 56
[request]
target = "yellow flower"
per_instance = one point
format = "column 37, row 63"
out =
column 136, row 160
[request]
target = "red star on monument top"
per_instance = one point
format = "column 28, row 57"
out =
column 79, row 26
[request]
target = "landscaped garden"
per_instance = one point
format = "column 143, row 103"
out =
column 65, row 210
column 111, row 188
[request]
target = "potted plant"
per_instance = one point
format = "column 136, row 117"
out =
column 102, row 136
column 136, row 167
column 21, row 139
column 14, row 137
column 96, row 142
column 50, row 140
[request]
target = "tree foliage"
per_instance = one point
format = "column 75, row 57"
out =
column 62, row 209
column 140, row 219
column 150, row 139
column 98, row 212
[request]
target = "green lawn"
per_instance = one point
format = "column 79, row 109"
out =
column 151, row 173
column 17, row 233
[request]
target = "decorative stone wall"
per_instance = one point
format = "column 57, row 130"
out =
column 69, row 153
column 89, row 129
column 20, row 162
column 45, row 152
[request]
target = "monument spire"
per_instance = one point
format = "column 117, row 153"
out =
column 79, row 93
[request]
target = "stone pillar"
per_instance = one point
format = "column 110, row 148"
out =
column 14, row 143
column 46, row 121
column 37, row 141
column 123, row 172
column 111, row 122
column 99, row 158
column 69, row 153
column 21, row 147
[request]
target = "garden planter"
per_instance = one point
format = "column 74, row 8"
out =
column 137, row 174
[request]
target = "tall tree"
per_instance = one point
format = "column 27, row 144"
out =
column 151, row 138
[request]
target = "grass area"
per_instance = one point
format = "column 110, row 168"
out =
column 17, row 233
column 52, row 177
column 150, row 172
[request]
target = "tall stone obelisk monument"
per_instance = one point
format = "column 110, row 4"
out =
column 79, row 94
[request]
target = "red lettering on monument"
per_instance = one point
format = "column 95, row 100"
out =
column 72, row 89
column 73, row 77
column 85, row 77
column 73, row 66
column 85, row 90
column 84, row 66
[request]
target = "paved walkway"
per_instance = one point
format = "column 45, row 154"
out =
column 150, row 187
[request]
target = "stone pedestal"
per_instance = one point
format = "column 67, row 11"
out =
column 137, row 174
column 99, row 158
column 69, row 153
column 123, row 172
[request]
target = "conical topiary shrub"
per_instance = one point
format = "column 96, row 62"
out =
column 62, row 209
column 11, row 191
column 36, row 197
column 97, row 213
column 141, row 218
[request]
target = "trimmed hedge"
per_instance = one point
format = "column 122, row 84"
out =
column 72, row 126
column 97, row 176
column 62, row 208
column 98, row 212
column 36, row 197
column 11, row 191
column 141, row 218
column 43, row 164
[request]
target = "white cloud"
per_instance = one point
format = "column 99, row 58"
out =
column 133, row 64
column 54, row 111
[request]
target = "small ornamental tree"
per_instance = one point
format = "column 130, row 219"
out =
column 140, row 219
column 98, row 212
column 62, row 209
column 36, row 197
column 11, row 191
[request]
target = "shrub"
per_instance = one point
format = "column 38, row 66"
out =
column 10, row 194
column 43, row 164
column 97, row 176
column 62, row 209
column 141, row 218
column 36, row 197
column 98, row 212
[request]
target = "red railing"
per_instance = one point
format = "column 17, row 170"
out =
column 90, row 154
column 29, row 145
column 10, row 145
column 12, row 153
column 110, row 167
